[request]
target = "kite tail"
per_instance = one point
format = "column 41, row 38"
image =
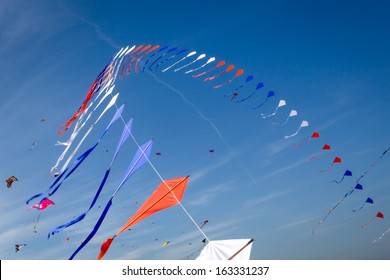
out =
column 79, row 161
column 123, row 67
column 270, row 115
column 383, row 234
column 285, row 122
column 82, row 216
column 104, row 248
column 214, row 77
column 131, row 64
column 354, row 210
column 300, row 144
column 337, row 182
column 198, row 75
column 366, row 224
column 52, row 185
column 208, row 71
column 36, row 223
column 234, row 96
column 226, row 83
column 254, row 108
column 292, row 135
column 327, row 170
column 314, row 157
column 95, row 229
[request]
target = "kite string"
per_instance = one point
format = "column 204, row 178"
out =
column 163, row 181
column 350, row 190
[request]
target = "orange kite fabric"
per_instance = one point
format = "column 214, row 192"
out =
column 168, row 194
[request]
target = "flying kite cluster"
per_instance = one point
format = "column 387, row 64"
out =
column 138, row 59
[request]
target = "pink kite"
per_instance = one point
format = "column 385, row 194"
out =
column 42, row 205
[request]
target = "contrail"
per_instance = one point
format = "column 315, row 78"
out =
column 213, row 126
column 100, row 34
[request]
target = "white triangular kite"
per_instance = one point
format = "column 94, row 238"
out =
column 231, row 249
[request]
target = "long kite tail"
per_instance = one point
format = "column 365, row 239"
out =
column 369, row 222
column 36, row 223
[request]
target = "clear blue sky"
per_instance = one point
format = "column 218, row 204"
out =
column 328, row 60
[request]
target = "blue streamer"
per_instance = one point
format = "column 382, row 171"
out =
column 125, row 134
column 76, row 163
column 139, row 159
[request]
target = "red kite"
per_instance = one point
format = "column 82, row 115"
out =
column 168, row 194
column 314, row 135
column 378, row 215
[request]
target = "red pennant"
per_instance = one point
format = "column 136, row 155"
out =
column 379, row 215
column 315, row 135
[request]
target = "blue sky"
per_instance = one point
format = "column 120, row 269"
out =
column 327, row 60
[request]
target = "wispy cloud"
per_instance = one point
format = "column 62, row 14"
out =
column 283, row 169
column 293, row 224
column 263, row 199
column 208, row 195
column 200, row 173
column 210, row 123
column 337, row 119
column 21, row 21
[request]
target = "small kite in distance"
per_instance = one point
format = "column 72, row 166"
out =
column 293, row 113
column 238, row 73
column 383, row 234
column 19, row 247
column 203, row 65
column 259, row 86
column 66, row 240
column 270, row 94
column 378, row 215
column 326, row 147
column 203, row 223
column 303, row 124
column 42, row 205
column 346, row 173
column 383, row 154
column 336, row 160
column 165, row 243
column 313, row 136
column 10, row 180
column 188, row 55
column 281, row 104
column 248, row 79
column 33, row 145
column 234, row 96
column 195, row 60
column 229, row 68
column 368, row 200
column 219, row 64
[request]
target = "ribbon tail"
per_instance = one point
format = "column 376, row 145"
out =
column 82, row 216
column 366, row 224
column 104, row 248
column 94, row 231
column 354, row 210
